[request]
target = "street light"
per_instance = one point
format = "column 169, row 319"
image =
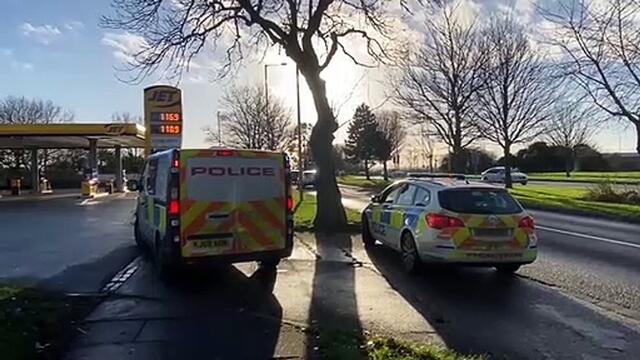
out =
column 266, row 92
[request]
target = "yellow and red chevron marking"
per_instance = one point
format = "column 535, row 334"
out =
column 256, row 225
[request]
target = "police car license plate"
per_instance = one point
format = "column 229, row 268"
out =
column 217, row 244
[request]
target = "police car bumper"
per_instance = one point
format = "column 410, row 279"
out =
column 443, row 254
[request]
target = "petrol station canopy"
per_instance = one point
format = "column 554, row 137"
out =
column 70, row 136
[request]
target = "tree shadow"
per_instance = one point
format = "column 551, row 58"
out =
column 478, row 311
column 336, row 330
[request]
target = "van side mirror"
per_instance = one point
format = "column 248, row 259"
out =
column 133, row 185
column 375, row 198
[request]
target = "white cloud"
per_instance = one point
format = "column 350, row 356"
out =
column 124, row 45
column 44, row 34
column 6, row 52
column 74, row 25
column 22, row 65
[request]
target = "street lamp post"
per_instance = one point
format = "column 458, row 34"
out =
column 266, row 84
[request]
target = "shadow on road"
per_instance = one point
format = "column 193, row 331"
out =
column 333, row 312
column 480, row 311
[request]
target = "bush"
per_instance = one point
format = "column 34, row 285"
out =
column 605, row 192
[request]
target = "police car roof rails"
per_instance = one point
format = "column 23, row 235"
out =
column 437, row 176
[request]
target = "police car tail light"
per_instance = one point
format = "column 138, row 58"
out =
column 527, row 222
column 439, row 221
column 174, row 207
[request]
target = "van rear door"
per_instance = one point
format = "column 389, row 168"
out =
column 232, row 202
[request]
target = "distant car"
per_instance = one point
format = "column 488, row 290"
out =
column 309, row 178
column 295, row 177
column 496, row 175
column 451, row 221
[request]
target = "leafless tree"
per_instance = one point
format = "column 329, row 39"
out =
column 601, row 44
column 392, row 134
column 517, row 96
column 126, row 118
column 437, row 84
column 573, row 123
column 425, row 146
column 248, row 124
column 20, row 110
column 310, row 32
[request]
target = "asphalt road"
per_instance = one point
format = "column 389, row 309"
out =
column 65, row 244
column 580, row 300
column 597, row 260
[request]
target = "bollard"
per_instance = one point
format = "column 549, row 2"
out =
column 16, row 185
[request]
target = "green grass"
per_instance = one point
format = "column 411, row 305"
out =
column 588, row 176
column 374, row 184
column 306, row 213
column 345, row 345
column 571, row 200
column 36, row 324
column 391, row 349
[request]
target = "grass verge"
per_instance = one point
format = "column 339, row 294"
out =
column 347, row 345
column 36, row 324
column 622, row 177
column 571, row 200
column 373, row 184
column 306, row 212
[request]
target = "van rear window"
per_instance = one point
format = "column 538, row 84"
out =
column 478, row 201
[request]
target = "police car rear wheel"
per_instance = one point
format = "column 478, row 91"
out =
column 410, row 258
column 367, row 237
column 507, row 268
column 164, row 269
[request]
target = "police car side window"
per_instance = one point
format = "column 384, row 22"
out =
column 423, row 197
column 150, row 179
column 390, row 195
column 406, row 195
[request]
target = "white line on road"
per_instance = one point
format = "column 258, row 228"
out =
column 597, row 238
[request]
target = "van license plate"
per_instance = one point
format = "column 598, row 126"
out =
column 218, row 244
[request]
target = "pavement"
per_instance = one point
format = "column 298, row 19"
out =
column 578, row 301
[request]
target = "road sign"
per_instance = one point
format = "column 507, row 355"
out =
column 162, row 117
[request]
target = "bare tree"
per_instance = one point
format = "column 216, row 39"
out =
column 601, row 44
column 438, row 83
column 573, row 123
column 310, row 32
column 391, row 133
column 248, row 124
column 126, row 118
column 517, row 96
column 20, row 110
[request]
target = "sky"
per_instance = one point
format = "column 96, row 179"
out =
column 55, row 50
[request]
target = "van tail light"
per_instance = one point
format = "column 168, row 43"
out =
column 439, row 221
column 176, row 163
column 224, row 152
column 289, row 204
column 174, row 207
column 527, row 222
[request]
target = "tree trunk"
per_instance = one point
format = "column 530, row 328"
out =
column 330, row 214
column 638, row 137
column 385, row 173
column 458, row 160
column 568, row 162
column 507, row 168
column 366, row 169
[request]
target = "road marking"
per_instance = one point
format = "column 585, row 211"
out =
column 597, row 238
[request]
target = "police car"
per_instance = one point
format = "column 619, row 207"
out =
column 451, row 221
column 215, row 206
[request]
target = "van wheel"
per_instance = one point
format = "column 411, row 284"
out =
column 367, row 237
column 137, row 236
column 507, row 269
column 163, row 267
column 269, row 264
column 410, row 258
